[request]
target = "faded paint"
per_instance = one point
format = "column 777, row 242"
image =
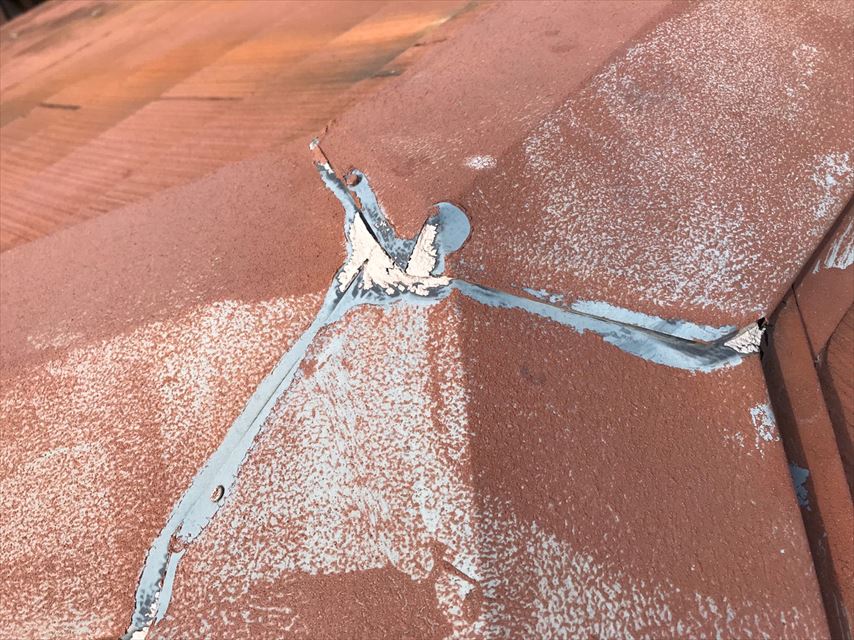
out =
column 653, row 187
column 89, row 433
column 479, row 163
column 370, row 270
column 372, row 461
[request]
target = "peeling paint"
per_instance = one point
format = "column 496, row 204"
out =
column 764, row 425
column 840, row 254
column 748, row 340
column 799, row 482
column 382, row 269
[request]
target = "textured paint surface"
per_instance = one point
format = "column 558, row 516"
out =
column 99, row 442
column 387, row 458
column 690, row 177
column 371, row 275
column 837, row 384
column 654, row 189
column 479, row 463
column 368, row 268
column 111, row 335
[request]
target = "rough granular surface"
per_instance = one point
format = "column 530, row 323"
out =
column 99, row 443
column 461, row 461
column 391, row 461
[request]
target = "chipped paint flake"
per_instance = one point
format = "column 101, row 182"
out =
column 379, row 270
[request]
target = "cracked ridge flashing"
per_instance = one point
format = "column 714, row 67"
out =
column 411, row 257
column 744, row 341
column 354, row 283
column 370, row 276
column 194, row 509
column 659, row 348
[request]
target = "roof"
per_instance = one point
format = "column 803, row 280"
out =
column 220, row 428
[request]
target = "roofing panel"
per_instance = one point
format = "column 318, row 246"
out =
column 690, row 177
column 517, row 439
column 457, row 470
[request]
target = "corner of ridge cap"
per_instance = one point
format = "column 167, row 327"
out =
column 749, row 339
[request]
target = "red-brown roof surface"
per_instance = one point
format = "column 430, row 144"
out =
column 640, row 178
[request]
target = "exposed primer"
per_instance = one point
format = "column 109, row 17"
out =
column 676, row 328
column 383, row 269
column 799, row 482
column 668, row 350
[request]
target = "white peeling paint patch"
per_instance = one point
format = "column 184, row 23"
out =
column 379, row 270
column 365, row 464
column 840, row 254
column 157, row 398
column 375, row 252
column 480, row 163
column 764, row 432
column 425, row 255
column 764, row 425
